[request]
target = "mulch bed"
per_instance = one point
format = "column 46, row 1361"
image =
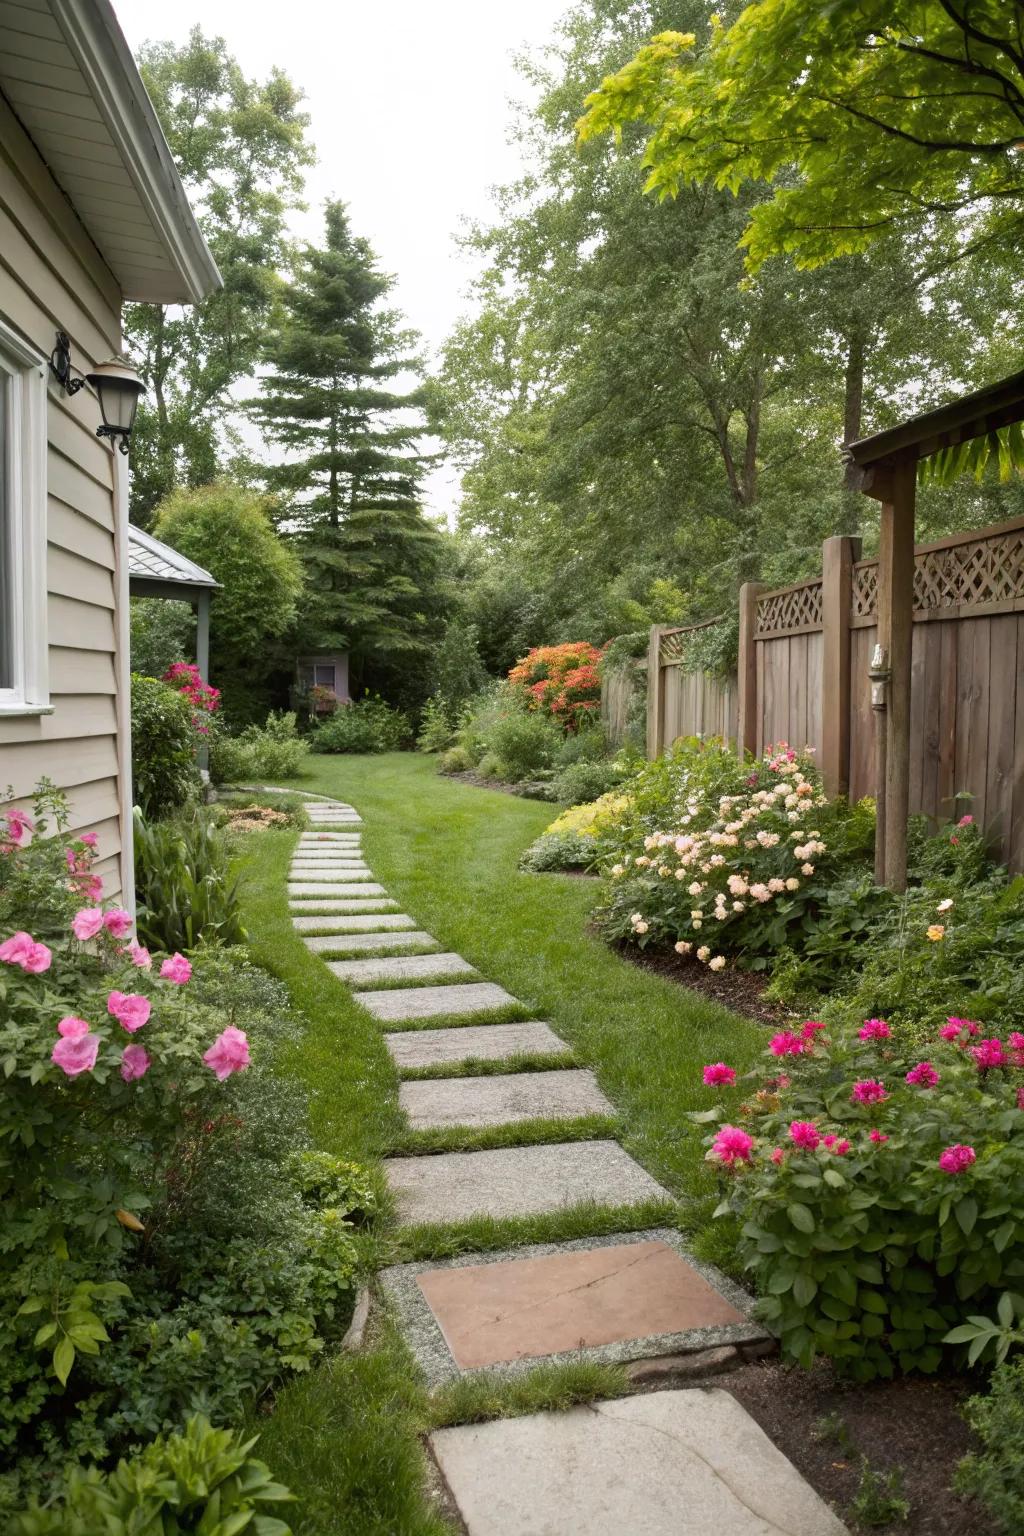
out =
column 742, row 991
column 526, row 791
column 912, row 1423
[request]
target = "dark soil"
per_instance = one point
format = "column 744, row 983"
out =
column 528, row 790
column 742, row 991
column 913, row 1424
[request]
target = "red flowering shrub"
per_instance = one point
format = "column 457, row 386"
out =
column 561, row 681
column 204, row 699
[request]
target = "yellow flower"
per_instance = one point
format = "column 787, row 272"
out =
column 936, row 932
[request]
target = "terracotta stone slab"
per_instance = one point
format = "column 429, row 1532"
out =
column 491, row 1313
column 350, row 943
column 357, row 922
column 481, row 1042
column 369, row 973
column 401, row 1004
column 504, row 1099
column 684, row 1463
column 517, row 1181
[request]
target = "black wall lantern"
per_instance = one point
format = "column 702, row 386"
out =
column 117, row 387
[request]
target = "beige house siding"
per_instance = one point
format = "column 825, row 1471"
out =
column 52, row 277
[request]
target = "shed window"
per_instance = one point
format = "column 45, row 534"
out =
column 23, row 652
column 323, row 675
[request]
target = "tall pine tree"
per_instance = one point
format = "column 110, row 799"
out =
column 350, row 470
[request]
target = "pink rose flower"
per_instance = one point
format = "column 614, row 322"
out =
column 93, row 888
column 810, row 1029
column 966, row 821
column 138, row 955
column 837, row 1145
column 732, row 1145
column 21, row 949
column 717, row 1073
column 868, row 1091
column 874, row 1029
column 134, row 1063
column 89, row 839
column 957, row 1158
column 117, row 922
column 87, row 923
column 176, row 969
column 75, row 1053
column 1017, row 1047
column 804, row 1134
column 923, row 1075
column 228, row 1053
column 877, row 1136
column 130, row 1009
column 72, row 1028
column 18, row 823
column 787, row 1044
column 990, row 1053
column 778, row 1155
column 38, row 959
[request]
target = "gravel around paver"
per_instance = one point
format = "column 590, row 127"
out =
column 683, row 1463
column 518, row 1181
column 404, row 1003
column 400, row 968
column 350, row 943
column 483, row 1042
column 504, row 1099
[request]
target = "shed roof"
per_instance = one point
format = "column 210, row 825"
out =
column 154, row 566
column 69, row 76
column 968, row 416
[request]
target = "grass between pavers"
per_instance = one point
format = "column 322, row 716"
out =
column 545, row 1389
column 517, row 1133
column 508, row 1013
column 487, row 1066
column 485, row 1234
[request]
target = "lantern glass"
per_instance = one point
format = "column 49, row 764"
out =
column 118, row 388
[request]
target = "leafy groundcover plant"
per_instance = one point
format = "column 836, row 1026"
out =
column 879, row 1192
column 165, row 1247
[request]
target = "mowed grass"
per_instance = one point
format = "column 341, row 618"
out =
column 344, row 1436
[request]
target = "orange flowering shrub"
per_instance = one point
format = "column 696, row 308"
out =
column 561, row 681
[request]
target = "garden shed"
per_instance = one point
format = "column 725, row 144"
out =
column 157, row 570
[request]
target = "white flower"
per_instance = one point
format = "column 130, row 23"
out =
column 696, row 915
column 703, row 952
column 695, row 889
column 642, row 862
column 680, row 873
column 775, row 885
column 640, row 927
column 682, row 947
column 664, row 871
column 636, row 917
column 792, row 884
column 944, row 906
column 760, row 893
column 739, row 906
column 721, row 914
column 695, row 922
column 617, row 870
column 807, row 869
column 737, row 885
column 717, row 964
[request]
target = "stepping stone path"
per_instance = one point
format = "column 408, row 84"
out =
column 668, row 1463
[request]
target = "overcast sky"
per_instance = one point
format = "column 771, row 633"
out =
column 410, row 113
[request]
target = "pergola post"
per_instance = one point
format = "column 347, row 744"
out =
column 203, row 660
column 895, row 638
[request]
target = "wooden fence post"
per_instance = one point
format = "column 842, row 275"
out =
column 837, row 558
column 749, row 703
column 655, row 693
column 895, row 636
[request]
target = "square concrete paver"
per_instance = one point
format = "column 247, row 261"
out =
column 334, row 886
column 402, row 1005
column 312, row 901
column 518, row 1181
column 634, row 1296
column 356, row 922
column 323, row 869
column 350, row 943
column 368, row 973
column 502, row 1100
column 684, row 1463
column 483, row 1042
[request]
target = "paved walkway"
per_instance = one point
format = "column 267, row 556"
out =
column 688, row 1462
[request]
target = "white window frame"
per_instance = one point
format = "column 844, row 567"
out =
column 24, row 470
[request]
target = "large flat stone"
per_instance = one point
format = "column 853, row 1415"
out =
column 399, row 968
column 518, row 1181
column 685, row 1463
column 407, row 1003
column 320, row 890
column 610, row 1300
column 502, row 1100
column 484, row 1042
column 350, row 943
column 305, row 900
column 333, row 887
column 361, row 922
column 313, row 870
column 329, row 839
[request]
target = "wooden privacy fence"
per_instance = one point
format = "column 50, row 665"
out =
column 618, row 690
column 683, row 703
column 803, row 675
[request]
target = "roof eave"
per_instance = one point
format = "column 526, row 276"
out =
column 997, row 405
column 94, row 36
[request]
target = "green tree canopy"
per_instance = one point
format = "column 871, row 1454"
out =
column 240, row 148
column 868, row 116
column 342, row 401
column 228, row 529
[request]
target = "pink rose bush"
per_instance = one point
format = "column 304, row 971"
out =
column 879, row 1196
column 203, row 697
column 734, row 861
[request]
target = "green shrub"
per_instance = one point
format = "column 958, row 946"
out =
column 582, row 781
column 490, row 766
column 185, row 893
column 587, row 745
column 455, row 760
column 367, row 726
column 522, row 744
column 40, row 890
column 202, row 1479
column 162, row 633
column 558, row 850
column 995, row 1473
column 164, row 769
column 880, row 1197
column 272, row 751
column 479, row 716
column 436, row 732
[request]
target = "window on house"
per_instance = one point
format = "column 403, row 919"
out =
column 23, row 655
column 323, row 675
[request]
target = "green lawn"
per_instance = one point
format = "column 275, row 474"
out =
column 447, row 852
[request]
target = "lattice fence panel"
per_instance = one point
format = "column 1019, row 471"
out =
column 865, row 590
column 673, row 646
column 982, row 571
column 798, row 609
